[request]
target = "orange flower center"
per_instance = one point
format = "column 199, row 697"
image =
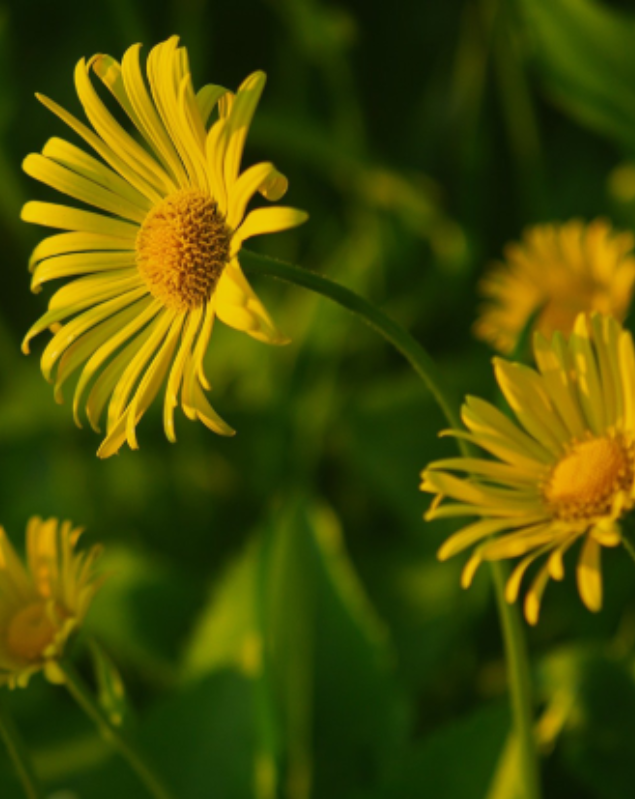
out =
column 182, row 249
column 584, row 483
column 30, row 631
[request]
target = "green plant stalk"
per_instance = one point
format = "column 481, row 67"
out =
column 19, row 755
column 424, row 366
column 84, row 698
column 519, row 678
column 419, row 359
column 628, row 546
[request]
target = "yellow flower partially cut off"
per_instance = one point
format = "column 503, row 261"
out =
column 563, row 471
column 158, row 261
column 556, row 272
column 44, row 601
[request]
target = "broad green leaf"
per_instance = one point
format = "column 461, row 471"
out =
column 597, row 738
column 226, row 632
column 328, row 658
column 458, row 760
column 291, row 614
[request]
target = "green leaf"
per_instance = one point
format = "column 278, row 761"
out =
column 226, row 632
column 584, row 51
column 328, row 658
column 292, row 616
column 598, row 738
column 458, row 760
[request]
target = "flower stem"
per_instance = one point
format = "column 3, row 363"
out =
column 628, row 546
column 519, row 678
column 82, row 695
column 19, row 755
column 424, row 366
column 409, row 347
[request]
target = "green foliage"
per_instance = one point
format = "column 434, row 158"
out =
column 273, row 603
column 584, row 51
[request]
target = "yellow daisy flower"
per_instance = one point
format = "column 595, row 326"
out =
column 563, row 470
column 562, row 269
column 43, row 602
column 160, row 262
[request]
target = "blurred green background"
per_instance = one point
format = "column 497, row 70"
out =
column 274, row 604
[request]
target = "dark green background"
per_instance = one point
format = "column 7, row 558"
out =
column 420, row 137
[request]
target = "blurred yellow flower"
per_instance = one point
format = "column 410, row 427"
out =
column 42, row 603
column 563, row 471
column 563, row 269
column 161, row 261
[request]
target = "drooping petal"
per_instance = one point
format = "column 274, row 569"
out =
column 238, row 306
column 589, row 574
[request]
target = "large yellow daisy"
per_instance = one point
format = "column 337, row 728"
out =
column 558, row 270
column 159, row 262
column 562, row 471
column 43, row 603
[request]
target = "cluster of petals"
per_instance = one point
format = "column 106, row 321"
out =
column 554, row 273
column 44, row 601
column 109, row 323
column 560, row 472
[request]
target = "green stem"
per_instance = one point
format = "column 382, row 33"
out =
column 19, row 755
column 519, row 677
column 628, row 546
column 419, row 359
column 111, row 733
column 424, row 366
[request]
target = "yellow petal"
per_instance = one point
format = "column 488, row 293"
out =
column 238, row 306
column 74, row 264
column 64, row 180
column 126, row 148
column 147, row 309
column 206, row 98
column 251, row 181
column 267, row 220
column 534, row 596
column 240, row 116
column 472, row 533
column 77, row 160
column 589, row 574
column 147, row 187
column 65, row 218
column 65, row 243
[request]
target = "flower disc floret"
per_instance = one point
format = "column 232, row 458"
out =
column 182, row 248
column 584, row 482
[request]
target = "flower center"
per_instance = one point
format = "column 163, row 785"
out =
column 584, row 483
column 182, row 249
column 30, row 631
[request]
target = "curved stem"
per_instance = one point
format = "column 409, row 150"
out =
column 19, row 755
column 111, row 733
column 424, row 366
column 409, row 347
column 519, row 678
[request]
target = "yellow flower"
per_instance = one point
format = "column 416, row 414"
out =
column 161, row 260
column 557, row 271
column 563, row 471
column 43, row 603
